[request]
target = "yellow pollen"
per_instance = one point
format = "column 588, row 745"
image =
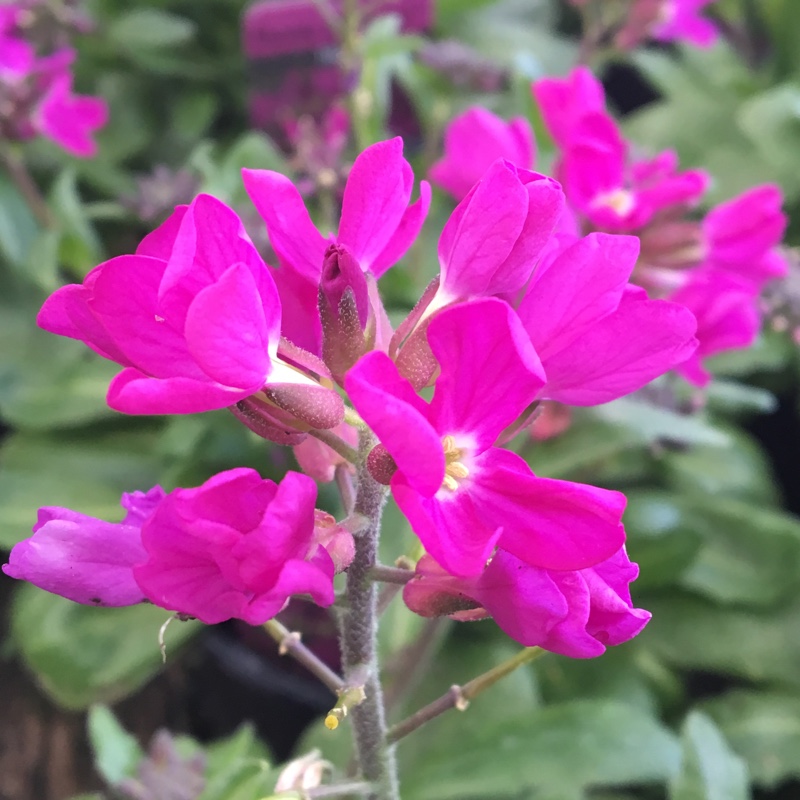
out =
column 331, row 723
column 620, row 201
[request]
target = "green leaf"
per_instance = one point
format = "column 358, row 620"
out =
column 560, row 749
column 116, row 752
column 730, row 397
column 151, row 29
column 79, row 248
column 662, row 537
column 693, row 633
column 763, row 728
column 741, row 470
column 651, row 423
column 242, row 780
column 710, row 770
column 749, row 555
column 18, row 228
column 242, row 745
column 82, row 655
column 86, row 471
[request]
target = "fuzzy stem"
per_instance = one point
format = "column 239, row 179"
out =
column 460, row 696
column 289, row 644
column 336, row 443
column 358, row 627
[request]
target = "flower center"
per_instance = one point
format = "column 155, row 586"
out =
column 620, row 201
column 454, row 470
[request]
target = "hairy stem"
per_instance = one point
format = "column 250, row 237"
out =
column 459, row 696
column 358, row 628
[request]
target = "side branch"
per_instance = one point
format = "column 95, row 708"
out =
column 289, row 644
column 337, row 444
column 459, row 696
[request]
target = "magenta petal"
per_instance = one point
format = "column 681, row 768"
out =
column 285, row 532
column 398, row 416
column 159, row 243
column 451, row 527
column 375, row 199
column 314, row 578
column 83, row 559
column 545, row 208
column 140, row 505
column 482, row 232
column 125, row 301
column 406, row 233
column 66, row 313
column 582, row 285
column 622, row 352
column 133, row 392
column 563, row 101
column 227, row 334
column 524, row 601
column 490, row 371
column 613, row 619
column 211, row 238
column 292, row 234
column 547, row 523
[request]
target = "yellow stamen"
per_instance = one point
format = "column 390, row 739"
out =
column 454, row 469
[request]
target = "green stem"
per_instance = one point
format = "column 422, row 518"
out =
column 336, row 443
column 18, row 173
column 460, row 696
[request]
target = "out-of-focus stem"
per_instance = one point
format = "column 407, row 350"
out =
column 460, row 696
column 18, row 173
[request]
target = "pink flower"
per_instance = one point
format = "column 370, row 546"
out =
column 726, row 308
column 463, row 496
column 495, row 235
column 473, row 141
column 237, row 546
column 614, row 194
column 565, row 101
column 574, row 613
column 193, row 316
column 86, row 560
column 741, row 233
column 68, row 119
column 599, row 338
column 681, row 19
column 377, row 226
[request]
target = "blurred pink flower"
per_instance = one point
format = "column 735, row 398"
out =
column 473, row 141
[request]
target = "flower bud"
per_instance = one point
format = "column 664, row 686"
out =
column 335, row 539
column 348, row 324
column 381, row 465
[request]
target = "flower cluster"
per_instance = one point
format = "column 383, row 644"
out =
column 36, row 96
column 716, row 266
column 521, row 312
